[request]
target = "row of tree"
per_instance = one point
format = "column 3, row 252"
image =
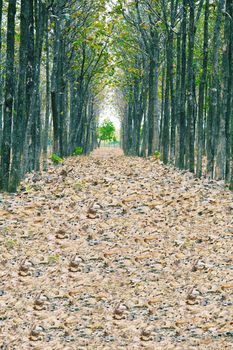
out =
column 176, row 58
column 52, row 55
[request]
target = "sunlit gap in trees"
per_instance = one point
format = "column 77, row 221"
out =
column 109, row 108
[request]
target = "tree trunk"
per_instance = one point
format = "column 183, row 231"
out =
column 56, row 83
column 151, row 106
column 183, row 88
column 190, row 137
column 155, row 145
column 21, row 108
column 221, row 146
column 172, row 90
column 168, row 91
column 214, row 90
column 47, row 109
column 32, row 147
column 178, row 96
column 229, row 113
column 202, row 87
column 1, row 75
column 9, row 97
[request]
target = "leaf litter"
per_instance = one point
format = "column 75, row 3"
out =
column 108, row 252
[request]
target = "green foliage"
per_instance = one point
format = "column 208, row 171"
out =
column 157, row 155
column 107, row 131
column 78, row 151
column 56, row 159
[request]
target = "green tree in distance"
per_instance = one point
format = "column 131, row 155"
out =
column 106, row 132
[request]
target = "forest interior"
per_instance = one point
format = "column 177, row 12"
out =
column 116, row 174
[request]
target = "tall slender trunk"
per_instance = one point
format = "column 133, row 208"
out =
column 178, row 96
column 168, row 93
column 183, row 88
column 1, row 75
column 30, row 61
column 144, row 127
column 33, row 139
column 61, row 99
column 65, row 123
column 230, row 134
column 190, row 137
column 56, row 80
column 9, row 97
column 202, row 87
column 21, row 108
column 128, row 127
column 173, row 104
column 162, row 107
column 229, row 113
column 151, row 106
column 214, row 91
column 221, row 146
column 47, row 108
column 155, row 144
column 72, row 107
column 172, row 86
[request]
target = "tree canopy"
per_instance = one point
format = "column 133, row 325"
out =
column 106, row 131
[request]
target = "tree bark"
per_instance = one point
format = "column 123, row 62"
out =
column 21, row 108
column 9, row 97
column 190, row 136
column 214, row 91
column 229, row 112
column 183, row 88
column 178, row 97
column 202, row 88
column 151, row 106
column 1, row 75
column 47, row 108
column 32, row 147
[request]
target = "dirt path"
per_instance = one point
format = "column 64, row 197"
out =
column 109, row 252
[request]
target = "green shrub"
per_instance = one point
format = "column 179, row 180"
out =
column 157, row 155
column 56, row 159
column 78, row 151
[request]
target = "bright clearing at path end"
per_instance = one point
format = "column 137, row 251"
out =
column 108, row 110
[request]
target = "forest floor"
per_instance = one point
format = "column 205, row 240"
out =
column 108, row 252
